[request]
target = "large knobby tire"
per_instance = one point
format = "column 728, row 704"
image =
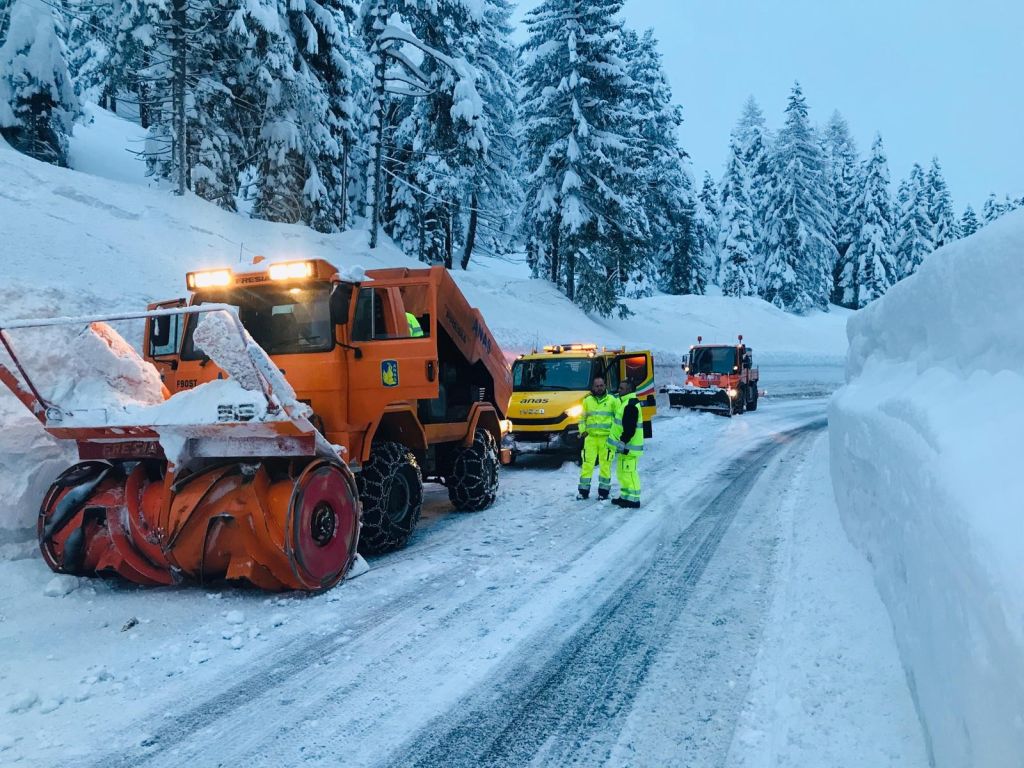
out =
column 391, row 492
column 752, row 403
column 473, row 483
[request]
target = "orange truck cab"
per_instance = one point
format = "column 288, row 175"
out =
column 719, row 377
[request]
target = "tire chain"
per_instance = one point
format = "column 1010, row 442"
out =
column 473, row 485
column 379, row 533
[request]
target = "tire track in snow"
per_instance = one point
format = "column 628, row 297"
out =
column 287, row 666
column 559, row 713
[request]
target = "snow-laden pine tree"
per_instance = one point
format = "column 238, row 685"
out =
column 736, row 235
column 940, row 207
column 867, row 269
column 969, row 223
column 668, row 194
column 844, row 168
column 797, row 271
column 913, row 227
column 91, row 31
column 38, row 103
column 709, row 216
column 304, row 80
column 438, row 152
column 162, row 52
column 338, row 74
column 994, row 207
column 756, row 141
column 583, row 212
column 495, row 191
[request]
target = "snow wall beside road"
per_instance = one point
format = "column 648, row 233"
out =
column 928, row 469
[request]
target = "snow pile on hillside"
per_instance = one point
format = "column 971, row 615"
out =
column 926, row 465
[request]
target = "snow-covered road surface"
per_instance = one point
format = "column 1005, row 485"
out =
column 728, row 622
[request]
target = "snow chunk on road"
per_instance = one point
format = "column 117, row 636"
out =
column 235, row 617
column 22, row 702
column 925, row 460
column 61, row 585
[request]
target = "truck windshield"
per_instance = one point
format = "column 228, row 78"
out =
column 713, row 360
column 281, row 320
column 552, row 375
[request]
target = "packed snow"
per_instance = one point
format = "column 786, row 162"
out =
column 925, row 458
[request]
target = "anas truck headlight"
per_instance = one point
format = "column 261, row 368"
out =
column 574, row 412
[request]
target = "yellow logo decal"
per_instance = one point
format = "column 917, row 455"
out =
column 389, row 373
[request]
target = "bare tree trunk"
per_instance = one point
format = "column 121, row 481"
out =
column 448, row 245
column 467, row 252
column 179, row 86
column 379, row 72
column 570, row 274
column 553, row 258
column 421, row 226
column 344, row 187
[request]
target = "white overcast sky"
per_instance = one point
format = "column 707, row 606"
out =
column 935, row 77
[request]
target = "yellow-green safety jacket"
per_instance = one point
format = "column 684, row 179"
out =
column 598, row 414
column 627, row 427
column 415, row 329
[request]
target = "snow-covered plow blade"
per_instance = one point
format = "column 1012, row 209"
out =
column 227, row 481
column 713, row 399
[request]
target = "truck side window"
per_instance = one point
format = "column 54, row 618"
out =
column 369, row 318
column 165, row 333
column 636, row 369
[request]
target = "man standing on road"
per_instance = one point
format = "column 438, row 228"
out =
column 596, row 422
column 627, row 439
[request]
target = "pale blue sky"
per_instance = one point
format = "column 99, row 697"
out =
column 933, row 76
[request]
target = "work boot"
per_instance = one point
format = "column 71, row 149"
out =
column 602, row 495
column 630, row 504
column 582, row 495
column 619, row 502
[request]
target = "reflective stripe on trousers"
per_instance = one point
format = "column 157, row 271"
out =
column 629, row 478
column 596, row 451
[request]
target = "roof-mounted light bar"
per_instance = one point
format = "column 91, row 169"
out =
column 574, row 347
column 210, row 278
column 291, row 270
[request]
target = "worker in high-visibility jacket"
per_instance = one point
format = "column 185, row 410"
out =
column 415, row 329
column 627, row 439
column 596, row 422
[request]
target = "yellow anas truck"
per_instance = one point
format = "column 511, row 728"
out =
column 548, row 388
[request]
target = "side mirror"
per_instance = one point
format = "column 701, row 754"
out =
column 160, row 335
column 341, row 299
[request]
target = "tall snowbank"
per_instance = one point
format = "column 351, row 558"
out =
column 927, row 468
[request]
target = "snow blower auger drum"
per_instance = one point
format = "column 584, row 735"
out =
column 253, row 492
column 276, row 524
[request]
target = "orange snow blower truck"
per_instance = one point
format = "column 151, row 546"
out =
column 298, row 402
column 720, row 378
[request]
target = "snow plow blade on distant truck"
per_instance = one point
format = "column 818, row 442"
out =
column 720, row 378
column 279, row 383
